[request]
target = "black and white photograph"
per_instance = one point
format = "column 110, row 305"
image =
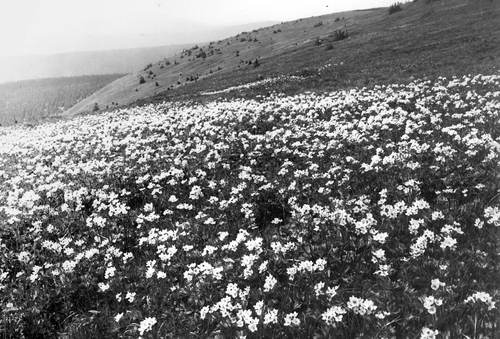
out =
column 263, row 169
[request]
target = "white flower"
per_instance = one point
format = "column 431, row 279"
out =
column 130, row 296
column 269, row 284
column 110, row 272
column 334, row 313
column 428, row 333
column 291, row 319
column 263, row 267
column 361, row 306
column 318, row 288
column 146, row 325
column 195, row 193
column 271, row 317
column 435, row 284
column 332, row 291
column 103, row 287
column 258, row 307
column 118, row 317
column 204, row 311
column 380, row 237
column 448, row 242
column 483, row 297
column 320, row 264
column 232, row 290
column 429, row 303
column 382, row 314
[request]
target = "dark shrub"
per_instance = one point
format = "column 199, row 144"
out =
column 395, row 8
column 340, row 35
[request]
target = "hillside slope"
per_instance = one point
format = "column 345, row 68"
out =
column 423, row 40
column 37, row 100
column 228, row 55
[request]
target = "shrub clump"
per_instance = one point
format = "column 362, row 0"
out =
column 340, row 35
column 396, row 7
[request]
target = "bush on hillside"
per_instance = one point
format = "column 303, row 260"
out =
column 340, row 35
column 395, row 8
column 142, row 80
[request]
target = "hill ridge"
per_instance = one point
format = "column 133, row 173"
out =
column 424, row 39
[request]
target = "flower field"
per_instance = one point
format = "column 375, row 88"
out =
column 368, row 213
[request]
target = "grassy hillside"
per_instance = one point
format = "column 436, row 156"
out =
column 34, row 100
column 425, row 39
column 223, row 56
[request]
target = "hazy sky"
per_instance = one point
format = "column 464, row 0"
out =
column 52, row 26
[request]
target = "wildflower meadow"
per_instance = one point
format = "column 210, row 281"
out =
column 363, row 213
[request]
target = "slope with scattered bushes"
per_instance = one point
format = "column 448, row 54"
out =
column 425, row 39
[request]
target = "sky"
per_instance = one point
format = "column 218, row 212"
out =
column 33, row 27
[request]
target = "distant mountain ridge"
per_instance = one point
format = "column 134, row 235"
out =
column 81, row 63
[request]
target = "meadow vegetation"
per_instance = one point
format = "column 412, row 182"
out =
column 346, row 185
column 362, row 213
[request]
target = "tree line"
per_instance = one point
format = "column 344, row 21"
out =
column 33, row 100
